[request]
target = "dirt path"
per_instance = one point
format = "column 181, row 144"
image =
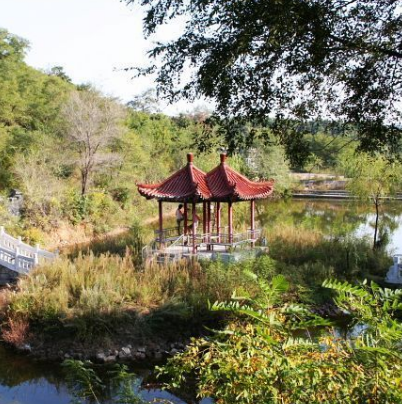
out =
column 65, row 236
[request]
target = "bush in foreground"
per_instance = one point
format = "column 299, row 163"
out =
column 269, row 356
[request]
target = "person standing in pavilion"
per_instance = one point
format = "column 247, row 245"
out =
column 179, row 217
column 196, row 221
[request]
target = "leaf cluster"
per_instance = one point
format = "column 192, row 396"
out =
column 292, row 60
column 273, row 352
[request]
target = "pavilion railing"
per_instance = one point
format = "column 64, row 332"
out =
column 254, row 234
column 235, row 238
column 172, row 234
column 222, row 237
column 151, row 252
column 167, row 234
column 170, row 253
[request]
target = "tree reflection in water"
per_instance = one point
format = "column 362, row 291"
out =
column 334, row 218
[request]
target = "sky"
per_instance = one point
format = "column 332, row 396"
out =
column 93, row 40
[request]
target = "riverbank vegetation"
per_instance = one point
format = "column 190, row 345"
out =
column 275, row 351
column 115, row 300
column 100, row 298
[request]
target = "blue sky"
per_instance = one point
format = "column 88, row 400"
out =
column 91, row 39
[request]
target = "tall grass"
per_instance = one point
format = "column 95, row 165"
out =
column 349, row 256
column 102, row 294
column 93, row 295
column 307, row 257
column 131, row 241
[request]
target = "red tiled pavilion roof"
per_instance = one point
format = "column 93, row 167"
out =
column 226, row 184
column 222, row 184
column 187, row 184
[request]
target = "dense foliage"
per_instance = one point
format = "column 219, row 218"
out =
column 292, row 59
column 102, row 298
column 282, row 353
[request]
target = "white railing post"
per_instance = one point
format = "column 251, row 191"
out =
column 20, row 246
column 36, row 254
column 16, row 260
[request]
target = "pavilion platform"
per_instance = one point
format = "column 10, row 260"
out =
column 207, row 247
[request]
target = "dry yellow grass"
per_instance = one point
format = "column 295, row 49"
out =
column 105, row 289
column 294, row 236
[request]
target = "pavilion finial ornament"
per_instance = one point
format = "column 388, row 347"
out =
column 223, row 158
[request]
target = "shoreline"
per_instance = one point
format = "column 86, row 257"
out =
column 123, row 349
column 151, row 352
column 335, row 194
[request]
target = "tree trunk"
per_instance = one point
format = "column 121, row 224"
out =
column 84, row 182
column 376, row 202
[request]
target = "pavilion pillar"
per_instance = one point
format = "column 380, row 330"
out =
column 218, row 220
column 209, row 222
column 161, row 241
column 230, row 221
column 252, row 221
column 194, row 229
column 185, row 218
column 204, row 219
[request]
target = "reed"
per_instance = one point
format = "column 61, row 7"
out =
column 94, row 295
column 307, row 257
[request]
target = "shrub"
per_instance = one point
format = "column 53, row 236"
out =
column 121, row 194
column 267, row 355
column 16, row 331
column 33, row 235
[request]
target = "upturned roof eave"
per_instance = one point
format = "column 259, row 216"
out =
column 221, row 184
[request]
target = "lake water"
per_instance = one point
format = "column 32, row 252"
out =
column 338, row 218
column 26, row 381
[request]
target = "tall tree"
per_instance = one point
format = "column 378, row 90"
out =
column 373, row 179
column 92, row 123
column 146, row 102
column 59, row 72
column 30, row 104
column 293, row 59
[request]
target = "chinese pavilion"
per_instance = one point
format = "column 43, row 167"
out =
column 191, row 187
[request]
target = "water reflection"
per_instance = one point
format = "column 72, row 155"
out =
column 27, row 381
column 36, row 391
column 336, row 218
